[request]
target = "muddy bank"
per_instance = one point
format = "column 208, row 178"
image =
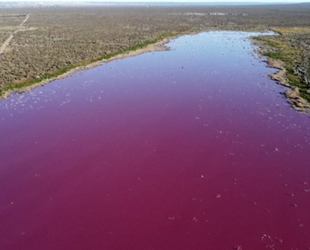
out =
column 292, row 94
column 158, row 46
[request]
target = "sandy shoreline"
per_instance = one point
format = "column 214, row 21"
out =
column 158, row 46
column 292, row 94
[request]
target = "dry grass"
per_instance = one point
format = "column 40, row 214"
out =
column 291, row 30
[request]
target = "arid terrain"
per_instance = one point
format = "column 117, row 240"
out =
column 56, row 39
column 289, row 51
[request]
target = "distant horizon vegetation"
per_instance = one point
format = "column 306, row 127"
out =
column 208, row 2
column 12, row 3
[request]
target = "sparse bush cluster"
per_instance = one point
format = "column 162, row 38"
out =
column 292, row 47
column 3, row 36
column 6, row 19
column 62, row 37
column 301, row 41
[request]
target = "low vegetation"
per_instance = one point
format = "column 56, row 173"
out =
column 57, row 39
column 292, row 47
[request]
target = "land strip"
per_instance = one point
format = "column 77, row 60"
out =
column 28, row 84
column 55, row 41
column 289, row 52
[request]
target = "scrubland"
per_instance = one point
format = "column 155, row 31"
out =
column 292, row 47
column 57, row 39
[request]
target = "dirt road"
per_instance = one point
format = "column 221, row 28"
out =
column 7, row 41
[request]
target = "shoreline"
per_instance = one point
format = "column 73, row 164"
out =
column 292, row 94
column 158, row 44
column 153, row 47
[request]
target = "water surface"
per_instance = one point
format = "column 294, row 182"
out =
column 192, row 148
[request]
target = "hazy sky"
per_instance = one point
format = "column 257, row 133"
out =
column 210, row 1
column 213, row 1
column 200, row 1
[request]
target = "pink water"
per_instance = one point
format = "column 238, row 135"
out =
column 193, row 148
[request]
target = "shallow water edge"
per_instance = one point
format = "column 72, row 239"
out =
column 152, row 47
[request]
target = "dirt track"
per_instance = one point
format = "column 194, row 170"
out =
column 7, row 41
